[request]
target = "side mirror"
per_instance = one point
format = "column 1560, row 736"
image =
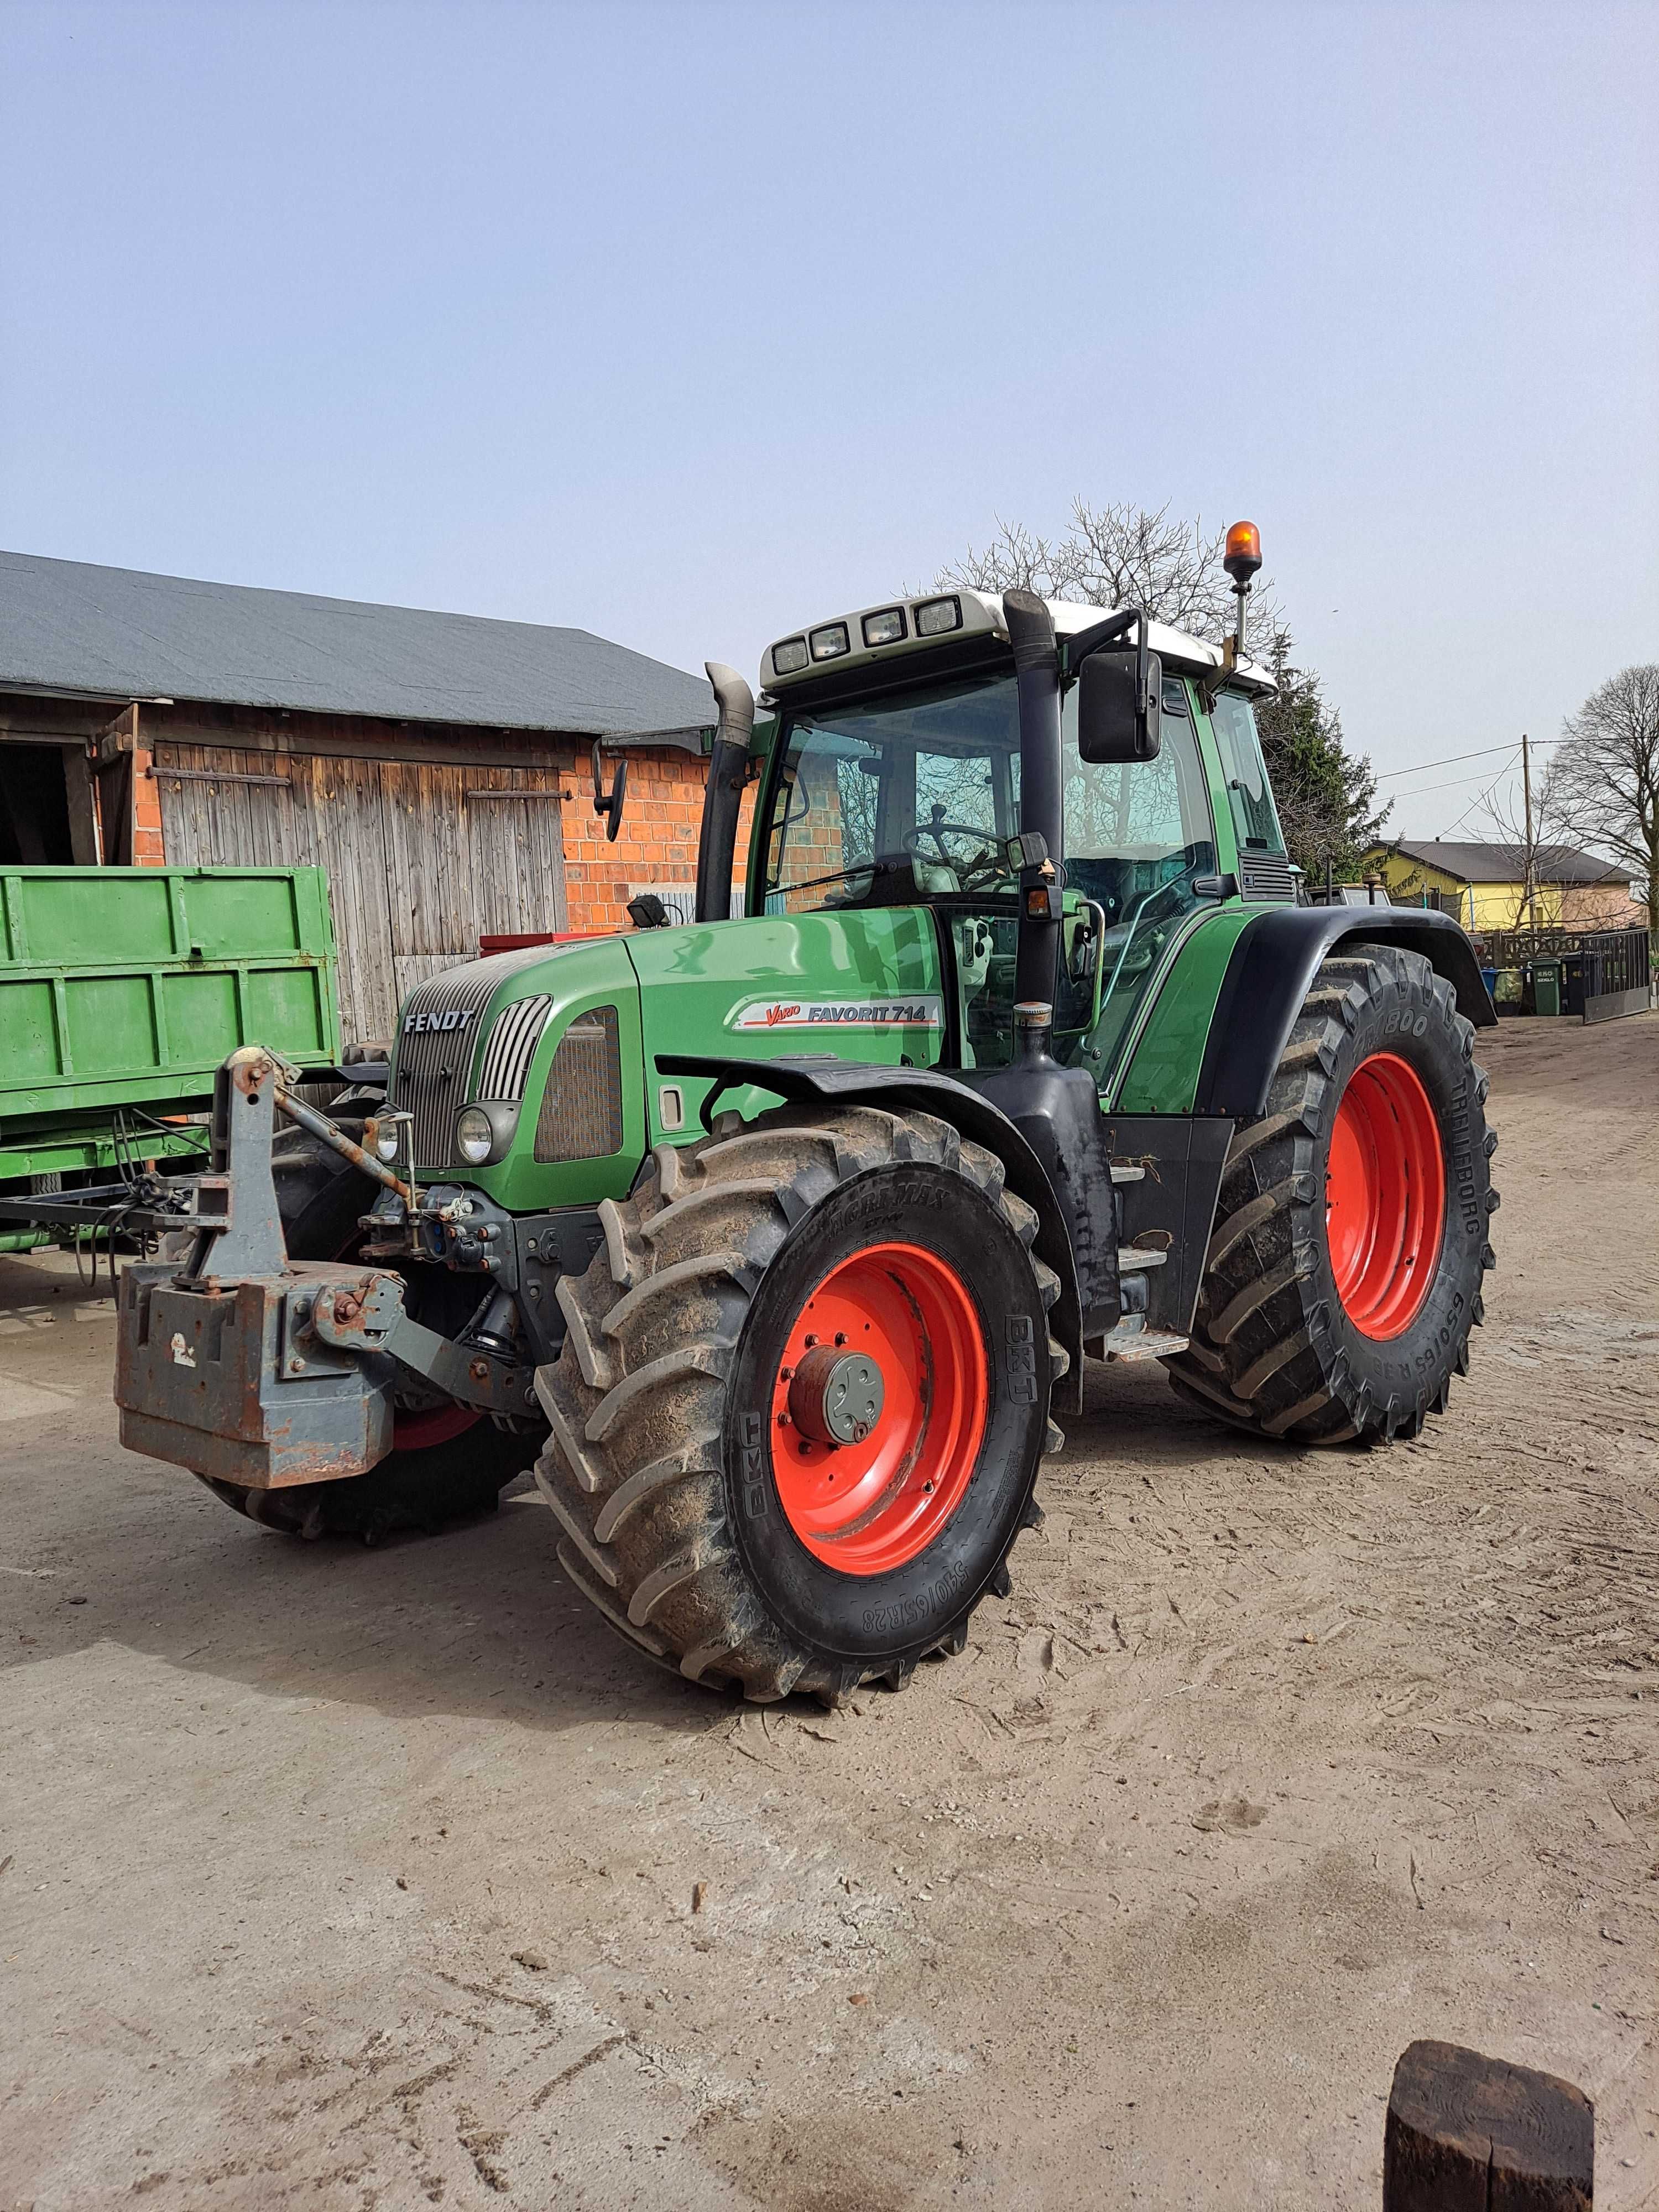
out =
column 1118, row 707
column 608, row 804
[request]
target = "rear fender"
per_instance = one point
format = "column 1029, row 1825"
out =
column 832, row 1082
column 1272, row 970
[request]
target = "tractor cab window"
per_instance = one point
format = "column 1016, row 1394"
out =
column 1255, row 821
column 1135, row 828
column 895, row 801
column 909, row 799
column 1138, row 836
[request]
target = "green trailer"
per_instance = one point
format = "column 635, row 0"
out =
column 122, row 990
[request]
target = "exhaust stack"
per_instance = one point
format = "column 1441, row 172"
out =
column 1036, row 669
column 728, row 768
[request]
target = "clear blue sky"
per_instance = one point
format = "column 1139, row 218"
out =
column 687, row 322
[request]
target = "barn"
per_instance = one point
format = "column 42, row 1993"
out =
column 438, row 765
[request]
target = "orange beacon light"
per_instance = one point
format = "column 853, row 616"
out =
column 1244, row 554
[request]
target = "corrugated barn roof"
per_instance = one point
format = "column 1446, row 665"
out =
column 68, row 626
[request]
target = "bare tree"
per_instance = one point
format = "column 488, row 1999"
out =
column 1121, row 554
column 1604, row 779
column 1118, row 556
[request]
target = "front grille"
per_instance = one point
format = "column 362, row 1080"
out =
column 511, row 1049
column 438, row 1043
column 581, row 1115
column 1266, row 876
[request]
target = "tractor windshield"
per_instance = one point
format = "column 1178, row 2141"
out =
column 908, row 797
column 896, row 800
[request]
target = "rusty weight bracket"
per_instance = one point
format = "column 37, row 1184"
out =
column 368, row 1316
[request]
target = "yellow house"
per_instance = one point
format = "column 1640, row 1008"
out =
column 1483, row 885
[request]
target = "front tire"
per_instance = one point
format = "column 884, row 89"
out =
column 1344, row 1274
column 736, row 1512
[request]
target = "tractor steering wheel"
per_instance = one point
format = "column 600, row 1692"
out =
column 987, row 861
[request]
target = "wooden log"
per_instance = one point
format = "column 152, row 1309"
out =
column 1470, row 2134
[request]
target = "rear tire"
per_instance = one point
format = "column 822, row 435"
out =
column 690, row 1519
column 1321, row 1334
column 425, row 1487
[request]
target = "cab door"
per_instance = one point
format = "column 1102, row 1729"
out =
column 1140, row 839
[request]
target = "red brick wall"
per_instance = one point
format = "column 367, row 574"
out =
column 656, row 844
column 147, row 851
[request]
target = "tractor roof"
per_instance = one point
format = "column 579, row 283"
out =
column 894, row 627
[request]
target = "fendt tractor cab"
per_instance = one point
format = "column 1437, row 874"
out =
column 771, row 1240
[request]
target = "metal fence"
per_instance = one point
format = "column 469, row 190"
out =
column 1625, row 952
column 1596, row 974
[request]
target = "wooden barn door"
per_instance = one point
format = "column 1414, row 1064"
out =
column 469, row 850
column 223, row 808
column 340, row 802
column 422, row 861
column 516, row 833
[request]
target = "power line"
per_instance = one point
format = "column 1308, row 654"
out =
column 1457, row 782
column 1480, row 798
column 1388, row 775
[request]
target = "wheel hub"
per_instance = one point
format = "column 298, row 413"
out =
column 837, row 1397
column 878, row 1407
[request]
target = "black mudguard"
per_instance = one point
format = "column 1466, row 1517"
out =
column 1270, row 973
column 846, row 1082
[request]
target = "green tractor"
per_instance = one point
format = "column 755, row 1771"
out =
column 772, row 1240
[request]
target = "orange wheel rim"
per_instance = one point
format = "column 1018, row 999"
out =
column 878, row 1409
column 434, row 1425
column 1385, row 1196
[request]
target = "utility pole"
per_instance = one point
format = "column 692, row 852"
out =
column 1526, row 857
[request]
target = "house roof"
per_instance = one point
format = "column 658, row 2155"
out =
column 66, row 626
column 1505, row 863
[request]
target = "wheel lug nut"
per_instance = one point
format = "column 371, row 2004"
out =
column 840, row 1336
column 811, row 1341
column 783, row 1421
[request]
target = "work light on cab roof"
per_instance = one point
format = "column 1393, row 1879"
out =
column 875, row 630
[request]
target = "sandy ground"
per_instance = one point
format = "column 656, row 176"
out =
column 342, row 1878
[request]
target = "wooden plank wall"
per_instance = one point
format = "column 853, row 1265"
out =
column 419, row 865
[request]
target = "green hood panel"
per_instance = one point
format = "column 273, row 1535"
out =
column 865, row 984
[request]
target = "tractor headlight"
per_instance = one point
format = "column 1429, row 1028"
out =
column 475, row 1140
column 885, row 628
column 789, row 657
column 830, row 642
column 386, row 1142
